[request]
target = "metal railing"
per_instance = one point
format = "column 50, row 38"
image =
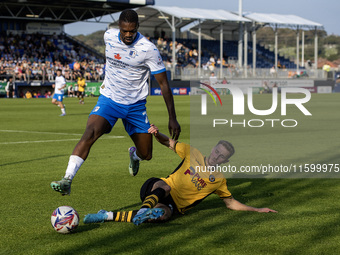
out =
column 190, row 73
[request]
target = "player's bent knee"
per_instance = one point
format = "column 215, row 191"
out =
column 91, row 134
column 167, row 188
column 144, row 156
column 148, row 157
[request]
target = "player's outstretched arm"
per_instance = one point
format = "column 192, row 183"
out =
column 174, row 127
column 233, row 204
column 161, row 138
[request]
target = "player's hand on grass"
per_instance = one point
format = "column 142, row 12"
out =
column 174, row 129
column 266, row 210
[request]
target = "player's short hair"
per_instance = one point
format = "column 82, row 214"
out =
column 228, row 146
column 129, row 16
column 59, row 70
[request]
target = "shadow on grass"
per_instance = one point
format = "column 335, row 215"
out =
column 210, row 226
column 32, row 160
column 83, row 228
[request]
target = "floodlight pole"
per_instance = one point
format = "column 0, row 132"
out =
column 254, row 49
column 297, row 49
column 221, row 51
column 240, row 32
column 245, row 51
column 316, row 49
column 240, row 7
column 303, row 48
column 276, row 42
column 173, row 29
column 199, row 49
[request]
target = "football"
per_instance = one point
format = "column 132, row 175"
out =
column 64, row 219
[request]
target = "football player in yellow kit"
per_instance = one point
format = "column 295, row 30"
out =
column 184, row 188
column 81, row 83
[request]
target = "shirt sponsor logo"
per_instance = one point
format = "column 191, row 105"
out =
column 117, row 63
column 196, row 178
column 117, row 56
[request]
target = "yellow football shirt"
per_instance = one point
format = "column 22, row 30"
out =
column 81, row 84
column 190, row 183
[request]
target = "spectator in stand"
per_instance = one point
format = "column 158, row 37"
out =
column 76, row 66
column 272, row 71
column 218, row 63
column 28, row 94
column 99, row 73
column 211, row 64
column 88, row 74
column 36, row 73
column 3, row 72
column 160, row 44
column 49, row 73
column 48, row 94
column 212, row 79
column 23, row 72
column 67, row 72
column 205, row 68
column 18, row 72
column 279, row 65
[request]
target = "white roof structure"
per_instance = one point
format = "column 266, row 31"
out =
column 200, row 21
column 282, row 20
column 204, row 14
column 161, row 16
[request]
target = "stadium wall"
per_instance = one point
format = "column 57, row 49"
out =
column 183, row 87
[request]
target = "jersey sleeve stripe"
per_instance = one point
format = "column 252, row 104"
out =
column 226, row 197
column 159, row 71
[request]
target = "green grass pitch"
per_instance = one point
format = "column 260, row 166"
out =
column 35, row 144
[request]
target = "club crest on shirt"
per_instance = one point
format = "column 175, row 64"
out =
column 133, row 53
column 96, row 109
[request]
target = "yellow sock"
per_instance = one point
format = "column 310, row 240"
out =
column 150, row 201
column 124, row 216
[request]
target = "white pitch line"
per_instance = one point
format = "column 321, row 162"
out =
column 61, row 140
column 37, row 132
